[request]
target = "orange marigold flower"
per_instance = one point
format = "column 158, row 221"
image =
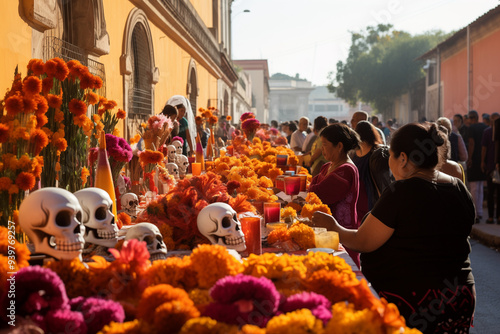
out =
column 62, row 70
column 77, row 107
column 36, row 66
column 58, row 116
column 92, row 98
column 39, row 139
column 41, row 120
column 75, row 68
column 47, row 84
column 54, row 101
column 277, row 235
column 4, row 133
column 5, row 183
column 213, row 120
column 84, row 175
column 199, row 120
column 110, row 104
column 86, row 80
column 37, row 171
column 61, row 144
column 14, row 104
column 25, row 181
column 135, row 139
column 150, row 157
column 32, row 85
column 121, row 114
column 30, row 104
column 97, row 82
column 50, row 67
column 96, row 118
column 41, row 105
column 228, row 117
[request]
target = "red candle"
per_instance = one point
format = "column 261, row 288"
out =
column 272, row 212
column 253, row 239
column 281, row 159
column 280, row 183
column 303, row 182
column 191, row 160
column 292, row 185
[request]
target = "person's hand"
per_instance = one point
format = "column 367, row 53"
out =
column 321, row 219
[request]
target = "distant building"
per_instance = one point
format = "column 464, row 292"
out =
column 288, row 98
column 324, row 103
column 242, row 95
column 259, row 75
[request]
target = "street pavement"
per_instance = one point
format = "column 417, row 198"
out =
column 487, row 234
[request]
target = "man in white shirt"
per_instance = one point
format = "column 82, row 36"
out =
column 299, row 136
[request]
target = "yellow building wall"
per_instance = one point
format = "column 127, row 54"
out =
column 15, row 44
column 204, row 10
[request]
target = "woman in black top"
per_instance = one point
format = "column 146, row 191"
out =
column 414, row 243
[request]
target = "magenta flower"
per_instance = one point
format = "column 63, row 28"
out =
column 118, row 148
column 64, row 321
column 246, row 116
column 250, row 124
column 38, row 290
column 179, row 139
column 318, row 304
column 98, row 312
column 243, row 299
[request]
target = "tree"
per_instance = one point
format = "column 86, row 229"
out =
column 381, row 65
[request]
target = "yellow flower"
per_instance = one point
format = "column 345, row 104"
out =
column 296, row 322
column 302, row 235
column 205, row 325
column 116, row 132
column 346, row 319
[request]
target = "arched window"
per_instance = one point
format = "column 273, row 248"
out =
column 192, row 92
column 140, row 92
column 137, row 65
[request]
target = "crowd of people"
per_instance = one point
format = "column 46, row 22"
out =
column 403, row 200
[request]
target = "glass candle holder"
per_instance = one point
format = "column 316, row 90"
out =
column 191, row 160
column 209, row 165
column 292, row 185
column 272, row 212
column 326, row 239
column 252, row 230
column 303, row 182
column 280, row 183
column 196, row 168
column 281, row 159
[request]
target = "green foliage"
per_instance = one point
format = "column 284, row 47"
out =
column 381, row 65
column 281, row 76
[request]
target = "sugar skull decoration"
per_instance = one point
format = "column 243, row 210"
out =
column 99, row 221
column 173, row 169
column 219, row 223
column 171, row 153
column 52, row 219
column 178, row 146
column 183, row 164
column 129, row 202
column 150, row 234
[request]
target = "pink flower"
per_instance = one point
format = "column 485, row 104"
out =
column 98, row 312
column 246, row 116
column 179, row 139
column 118, row 148
column 157, row 122
column 318, row 304
column 274, row 131
column 133, row 252
column 243, row 299
column 38, row 290
column 65, row 321
column 250, row 124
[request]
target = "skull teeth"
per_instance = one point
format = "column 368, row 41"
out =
column 232, row 241
column 65, row 246
column 104, row 234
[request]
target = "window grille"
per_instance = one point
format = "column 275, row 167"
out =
column 140, row 92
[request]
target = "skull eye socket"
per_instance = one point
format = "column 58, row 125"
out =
column 63, row 218
column 226, row 222
column 131, row 203
column 100, row 213
column 79, row 216
column 160, row 241
column 149, row 239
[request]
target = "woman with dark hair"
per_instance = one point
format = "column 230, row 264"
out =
column 337, row 184
column 414, row 243
column 373, row 167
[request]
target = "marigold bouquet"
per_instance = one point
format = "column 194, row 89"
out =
column 22, row 139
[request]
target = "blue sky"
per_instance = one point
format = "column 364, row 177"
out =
column 310, row 36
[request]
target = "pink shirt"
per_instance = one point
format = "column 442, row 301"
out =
column 339, row 190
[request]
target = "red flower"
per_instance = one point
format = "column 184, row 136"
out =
column 25, row 181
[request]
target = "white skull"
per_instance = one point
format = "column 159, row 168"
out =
column 150, row 234
column 51, row 217
column 173, row 169
column 171, row 151
column 121, row 185
column 183, row 163
column 129, row 202
column 219, row 223
column 99, row 221
column 178, row 146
